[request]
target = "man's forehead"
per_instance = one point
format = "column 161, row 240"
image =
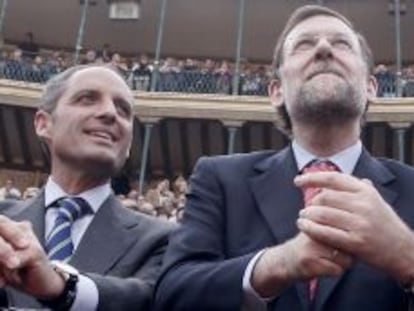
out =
column 98, row 78
column 318, row 25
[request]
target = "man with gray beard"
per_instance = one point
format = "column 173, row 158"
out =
column 246, row 240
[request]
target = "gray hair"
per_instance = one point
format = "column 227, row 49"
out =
column 57, row 85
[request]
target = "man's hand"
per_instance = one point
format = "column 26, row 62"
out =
column 23, row 263
column 350, row 215
column 299, row 259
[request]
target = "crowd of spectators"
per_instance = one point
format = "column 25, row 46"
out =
column 10, row 192
column 161, row 199
column 387, row 80
column 27, row 62
column 189, row 75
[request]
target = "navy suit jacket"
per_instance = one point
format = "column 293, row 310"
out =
column 242, row 203
column 121, row 251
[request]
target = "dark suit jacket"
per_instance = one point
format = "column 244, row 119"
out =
column 121, row 251
column 240, row 204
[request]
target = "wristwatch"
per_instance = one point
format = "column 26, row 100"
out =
column 71, row 276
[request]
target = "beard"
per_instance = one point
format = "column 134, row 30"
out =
column 328, row 100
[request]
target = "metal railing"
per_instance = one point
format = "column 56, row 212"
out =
column 182, row 80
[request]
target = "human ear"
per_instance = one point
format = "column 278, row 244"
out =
column 276, row 93
column 372, row 88
column 43, row 125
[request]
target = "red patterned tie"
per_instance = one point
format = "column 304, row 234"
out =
column 309, row 194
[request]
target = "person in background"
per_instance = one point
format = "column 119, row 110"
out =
column 29, row 47
column 9, row 191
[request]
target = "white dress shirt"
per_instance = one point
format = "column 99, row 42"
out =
column 87, row 293
column 346, row 160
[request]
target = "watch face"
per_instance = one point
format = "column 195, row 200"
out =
column 59, row 265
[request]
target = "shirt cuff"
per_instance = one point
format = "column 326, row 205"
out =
column 87, row 296
column 253, row 300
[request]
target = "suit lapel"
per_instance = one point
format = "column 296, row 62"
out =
column 369, row 168
column 279, row 200
column 106, row 239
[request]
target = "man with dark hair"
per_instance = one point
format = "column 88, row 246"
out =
column 246, row 239
column 76, row 223
column 29, row 47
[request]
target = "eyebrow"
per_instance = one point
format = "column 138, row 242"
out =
column 313, row 35
column 97, row 92
column 330, row 35
column 75, row 95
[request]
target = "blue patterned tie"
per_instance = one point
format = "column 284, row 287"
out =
column 59, row 243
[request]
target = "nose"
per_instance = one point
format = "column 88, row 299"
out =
column 323, row 49
column 107, row 110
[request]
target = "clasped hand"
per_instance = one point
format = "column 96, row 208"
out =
column 351, row 216
column 23, row 262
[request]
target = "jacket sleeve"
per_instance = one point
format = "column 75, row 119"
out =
column 197, row 274
column 132, row 290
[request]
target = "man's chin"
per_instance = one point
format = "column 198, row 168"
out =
column 102, row 164
column 326, row 89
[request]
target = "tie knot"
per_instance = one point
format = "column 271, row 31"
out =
column 73, row 208
column 321, row 166
column 313, row 167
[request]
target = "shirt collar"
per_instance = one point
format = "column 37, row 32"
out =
column 95, row 196
column 346, row 160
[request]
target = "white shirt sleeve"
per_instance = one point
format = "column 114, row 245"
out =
column 87, row 296
column 252, row 299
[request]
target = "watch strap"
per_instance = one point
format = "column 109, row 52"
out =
column 65, row 301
